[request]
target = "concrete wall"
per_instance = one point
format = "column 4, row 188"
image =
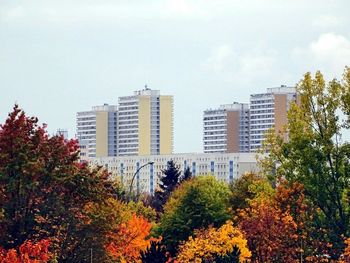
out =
column 166, row 124
column 232, row 131
column 101, row 133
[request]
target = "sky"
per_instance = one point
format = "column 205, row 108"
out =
column 61, row 57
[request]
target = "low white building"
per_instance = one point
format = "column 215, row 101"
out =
column 224, row 166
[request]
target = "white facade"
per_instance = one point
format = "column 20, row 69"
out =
column 263, row 109
column 86, row 133
column 128, row 129
column 215, row 130
column 224, row 166
column 222, row 129
column 130, row 117
column 87, row 126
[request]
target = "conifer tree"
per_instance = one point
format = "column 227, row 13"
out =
column 168, row 182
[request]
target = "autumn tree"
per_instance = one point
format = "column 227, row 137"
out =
column 215, row 245
column 271, row 234
column 131, row 238
column 44, row 190
column 245, row 188
column 315, row 154
column 28, row 252
column 345, row 257
column 195, row 204
column 230, row 257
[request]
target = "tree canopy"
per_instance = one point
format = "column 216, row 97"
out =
column 195, row 204
column 316, row 154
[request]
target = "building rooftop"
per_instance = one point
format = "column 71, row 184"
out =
column 227, row 107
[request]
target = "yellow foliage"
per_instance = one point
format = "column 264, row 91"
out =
column 212, row 241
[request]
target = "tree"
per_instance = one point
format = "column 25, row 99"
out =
column 245, row 188
column 156, row 253
column 315, row 154
column 271, row 234
column 215, row 245
column 131, row 239
column 168, row 183
column 231, row 257
column 44, row 190
column 195, row 204
column 187, row 175
column 29, row 252
column 345, row 257
column 142, row 210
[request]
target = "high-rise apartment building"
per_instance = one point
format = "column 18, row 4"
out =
column 145, row 123
column 268, row 110
column 97, row 131
column 226, row 129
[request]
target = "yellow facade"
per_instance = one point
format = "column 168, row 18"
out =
column 166, row 124
column 101, row 133
column 144, row 125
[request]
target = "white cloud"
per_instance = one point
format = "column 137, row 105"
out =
column 330, row 53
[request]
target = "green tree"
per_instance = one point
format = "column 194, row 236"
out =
column 247, row 187
column 315, row 154
column 195, row 204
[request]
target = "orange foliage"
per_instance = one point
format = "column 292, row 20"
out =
column 271, row 233
column 29, row 252
column 131, row 238
column 279, row 229
column 345, row 257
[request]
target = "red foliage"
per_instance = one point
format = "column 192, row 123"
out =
column 29, row 252
column 44, row 189
column 272, row 234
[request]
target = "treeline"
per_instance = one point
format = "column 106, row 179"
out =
column 55, row 209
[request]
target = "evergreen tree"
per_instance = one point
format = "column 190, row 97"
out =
column 171, row 178
column 168, row 182
column 187, row 175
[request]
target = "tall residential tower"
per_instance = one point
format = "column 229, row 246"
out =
column 96, row 132
column 145, row 123
column 226, row 129
column 269, row 110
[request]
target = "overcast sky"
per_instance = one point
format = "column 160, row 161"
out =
column 60, row 57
